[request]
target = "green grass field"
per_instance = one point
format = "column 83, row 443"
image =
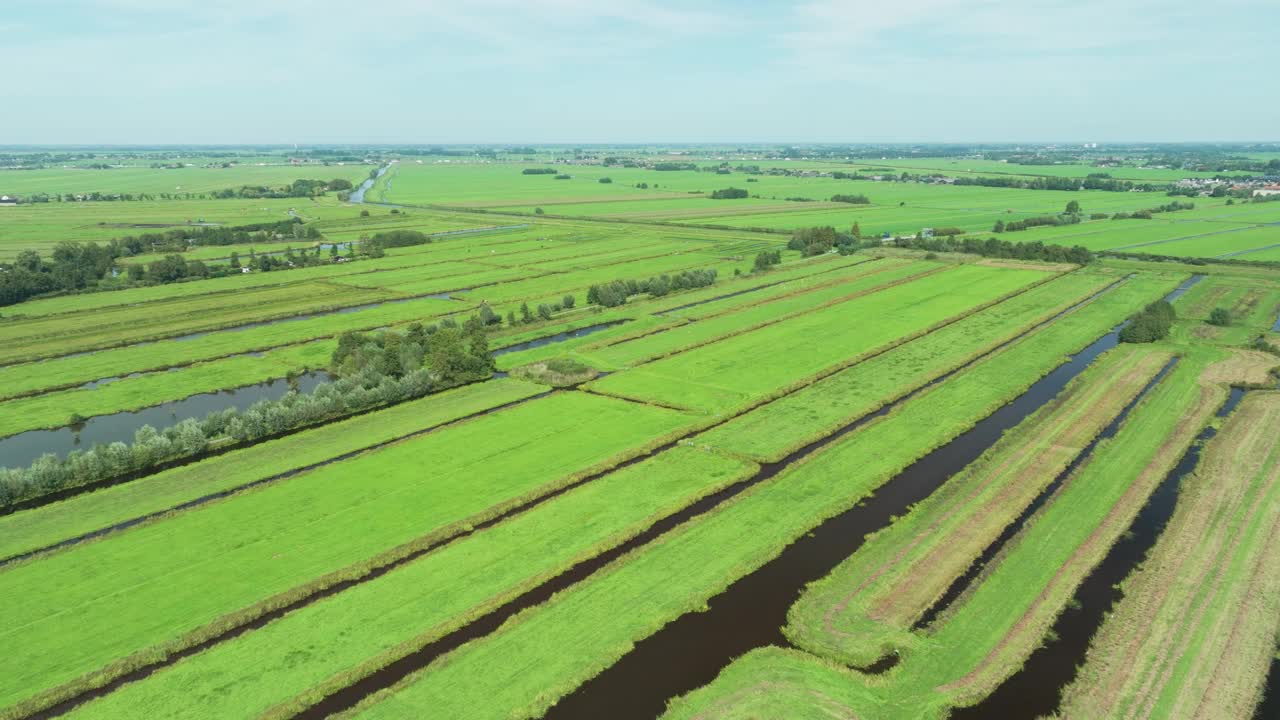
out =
column 710, row 430
column 300, row 531
column 526, row 664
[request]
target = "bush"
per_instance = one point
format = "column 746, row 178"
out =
column 851, row 199
column 538, row 171
column 1150, row 325
column 1220, row 317
column 767, row 259
column 605, row 180
column 729, row 194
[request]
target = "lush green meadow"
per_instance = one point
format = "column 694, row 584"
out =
column 618, row 408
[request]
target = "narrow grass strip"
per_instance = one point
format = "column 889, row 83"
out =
column 719, row 376
column 794, row 421
column 47, row 525
column 286, row 541
column 291, row 662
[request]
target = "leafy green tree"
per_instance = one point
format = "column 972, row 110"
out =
column 1073, row 207
column 1220, row 317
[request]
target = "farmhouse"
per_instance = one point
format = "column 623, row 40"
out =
column 1267, row 190
column 8, row 200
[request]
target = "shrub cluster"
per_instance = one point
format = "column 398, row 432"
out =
column 1147, row 213
column 1220, row 317
column 617, row 292
column 544, row 311
column 817, row 240
column 1150, row 325
column 766, row 259
column 539, row 171
column 851, row 199
column 729, row 194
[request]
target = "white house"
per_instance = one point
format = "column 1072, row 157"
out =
column 7, row 200
column 1267, row 190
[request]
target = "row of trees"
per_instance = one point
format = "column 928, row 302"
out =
column 545, row 311
column 1095, row 181
column 79, row 267
column 1041, row 220
column 851, row 199
column 1150, row 325
column 997, row 248
column 1148, row 212
column 301, row 188
column 376, row 369
column 617, row 292
column 729, row 194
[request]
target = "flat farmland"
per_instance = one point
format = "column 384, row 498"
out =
column 507, row 470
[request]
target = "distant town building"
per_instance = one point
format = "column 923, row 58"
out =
column 1267, row 190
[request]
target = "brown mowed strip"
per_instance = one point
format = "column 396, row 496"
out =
column 1094, row 548
column 1132, row 662
column 1021, row 476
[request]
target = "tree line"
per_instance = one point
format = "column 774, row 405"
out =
column 80, row 267
column 375, row 370
column 617, row 292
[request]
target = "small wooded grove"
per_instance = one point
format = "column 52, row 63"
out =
column 617, row 292
column 375, row 369
column 1150, row 325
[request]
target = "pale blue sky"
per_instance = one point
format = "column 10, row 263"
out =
column 308, row 71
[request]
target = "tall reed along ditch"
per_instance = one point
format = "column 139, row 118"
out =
column 1035, row 690
column 24, row 448
column 690, row 651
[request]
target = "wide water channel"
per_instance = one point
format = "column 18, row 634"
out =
column 23, row 449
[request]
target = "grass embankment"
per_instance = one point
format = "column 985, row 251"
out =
column 281, row 665
column 992, row 628
column 40, row 527
column 22, row 340
column 865, row 608
column 1194, row 634
column 719, row 376
column 543, row 654
column 53, row 410
column 876, row 277
column 286, row 540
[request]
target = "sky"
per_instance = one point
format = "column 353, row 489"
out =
column 643, row 71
